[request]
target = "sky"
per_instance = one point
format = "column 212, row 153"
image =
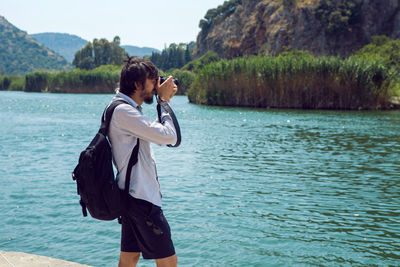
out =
column 143, row 23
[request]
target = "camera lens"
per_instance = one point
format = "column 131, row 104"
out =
column 163, row 79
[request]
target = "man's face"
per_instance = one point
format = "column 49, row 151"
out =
column 149, row 90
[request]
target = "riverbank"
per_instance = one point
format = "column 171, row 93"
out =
column 101, row 80
column 299, row 81
column 20, row 259
column 295, row 80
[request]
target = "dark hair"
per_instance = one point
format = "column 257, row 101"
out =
column 135, row 70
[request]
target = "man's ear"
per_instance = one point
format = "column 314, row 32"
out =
column 138, row 85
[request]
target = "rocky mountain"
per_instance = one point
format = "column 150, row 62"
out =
column 20, row 53
column 139, row 51
column 62, row 43
column 248, row 27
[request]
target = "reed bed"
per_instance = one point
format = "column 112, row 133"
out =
column 76, row 81
column 103, row 79
column 289, row 81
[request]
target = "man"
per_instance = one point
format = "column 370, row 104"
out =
column 144, row 228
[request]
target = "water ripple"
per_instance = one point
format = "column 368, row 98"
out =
column 246, row 187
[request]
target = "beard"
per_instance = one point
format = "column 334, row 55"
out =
column 148, row 96
column 148, row 100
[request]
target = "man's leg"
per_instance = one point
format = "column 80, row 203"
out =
column 151, row 232
column 171, row 261
column 128, row 259
column 129, row 255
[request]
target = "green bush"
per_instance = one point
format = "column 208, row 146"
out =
column 11, row 82
column 383, row 49
column 199, row 63
column 185, row 79
column 387, row 51
column 338, row 17
column 17, row 84
column 109, row 68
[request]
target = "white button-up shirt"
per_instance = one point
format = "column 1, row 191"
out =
column 127, row 124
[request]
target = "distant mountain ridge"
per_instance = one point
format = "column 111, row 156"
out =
column 139, row 51
column 20, row 53
column 68, row 44
column 63, row 43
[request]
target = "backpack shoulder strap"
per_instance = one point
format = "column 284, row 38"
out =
column 132, row 161
column 105, row 124
column 107, row 114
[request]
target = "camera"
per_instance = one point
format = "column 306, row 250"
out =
column 163, row 79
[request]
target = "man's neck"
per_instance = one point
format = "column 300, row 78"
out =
column 138, row 100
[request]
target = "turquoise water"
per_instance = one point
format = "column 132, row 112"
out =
column 245, row 188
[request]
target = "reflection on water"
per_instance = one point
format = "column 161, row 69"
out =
column 246, row 187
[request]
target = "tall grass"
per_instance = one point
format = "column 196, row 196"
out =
column 103, row 79
column 294, row 81
column 76, row 81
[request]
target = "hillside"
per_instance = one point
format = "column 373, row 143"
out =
column 62, row 43
column 67, row 44
column 139, row 51
column 20, row 53
column 246, row 27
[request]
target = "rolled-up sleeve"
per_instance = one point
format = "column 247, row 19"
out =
column 129, row 119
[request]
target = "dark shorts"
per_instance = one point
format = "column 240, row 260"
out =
column 145, row 229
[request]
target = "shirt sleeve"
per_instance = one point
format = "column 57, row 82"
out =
column 131, row 120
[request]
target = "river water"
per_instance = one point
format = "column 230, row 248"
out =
column 245, row 188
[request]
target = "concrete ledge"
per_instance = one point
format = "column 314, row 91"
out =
column 20, row 259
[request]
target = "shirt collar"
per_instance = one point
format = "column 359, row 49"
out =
column 132, row 102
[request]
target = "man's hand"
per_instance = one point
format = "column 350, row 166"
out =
column 167, row 89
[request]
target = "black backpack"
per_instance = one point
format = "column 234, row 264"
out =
column 94, row 174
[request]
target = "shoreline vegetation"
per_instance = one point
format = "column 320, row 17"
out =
column 367, row 80
column 101, row 80
column 295, row 81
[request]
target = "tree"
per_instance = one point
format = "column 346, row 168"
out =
column 336, row 17
column 117, row 52
column 101, row 52
column 188, row 54
column 84, row 58
column 173, row 57
column 222, row 11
